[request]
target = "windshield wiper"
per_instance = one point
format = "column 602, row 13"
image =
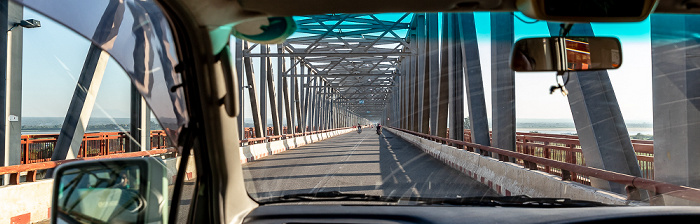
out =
column 502, row 201
column 327, row 196
column 510, row 201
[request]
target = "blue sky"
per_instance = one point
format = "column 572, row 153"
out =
column 53, row 58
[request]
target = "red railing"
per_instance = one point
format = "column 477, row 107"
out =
column 31, row 169
column 566, row 169
column 250, row 139
column 269, row 131
column 567, row 148
column 39, row 148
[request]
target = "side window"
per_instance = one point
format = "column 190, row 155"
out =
column 68, row 99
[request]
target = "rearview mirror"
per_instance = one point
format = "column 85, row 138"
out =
column 566, row 54
column 587, row 11
column 131, row 190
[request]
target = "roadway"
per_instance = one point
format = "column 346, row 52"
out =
column 352, row 163
column 359, row 163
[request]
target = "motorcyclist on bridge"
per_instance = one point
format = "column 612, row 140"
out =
column 379, row 128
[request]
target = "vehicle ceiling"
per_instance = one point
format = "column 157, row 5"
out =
column 312, row 7
column 215, row 13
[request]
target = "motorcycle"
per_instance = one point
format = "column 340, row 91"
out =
column 359, row 130
column 379, row 131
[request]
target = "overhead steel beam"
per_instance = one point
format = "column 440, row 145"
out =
column 331, row 54
column 358, row 86
column 343, row 75
column 398, row 26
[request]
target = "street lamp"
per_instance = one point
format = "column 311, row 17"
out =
column 30, row 23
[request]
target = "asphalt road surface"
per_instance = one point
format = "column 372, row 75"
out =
column 352, row 163
column 359, row 163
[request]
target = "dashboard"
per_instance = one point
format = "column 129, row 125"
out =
column 452, row 214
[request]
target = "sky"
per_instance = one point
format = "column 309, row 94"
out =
column 53, row 58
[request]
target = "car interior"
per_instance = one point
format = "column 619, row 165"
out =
column 202, row 31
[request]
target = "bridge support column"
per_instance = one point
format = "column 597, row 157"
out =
column 263, row 89
column 276, row 127
column 10, row 87
column 443, row 85
column 238, row 50
column 424, row 77
column 676, row 93
column 433, row 68
column 603, row 134
column 297, row 103
column 456, row 74
column 416, row 97
column 253, row 95
column 81, row 105
column 285, row 93
column 140, row 128
column 474, row 82
column 502, row 82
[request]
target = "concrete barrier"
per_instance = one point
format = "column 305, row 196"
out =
column 509, row 178
column 254, row 152
column 26, row 203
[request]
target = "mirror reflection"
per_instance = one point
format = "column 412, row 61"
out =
column 101, row 194
column 566, row 54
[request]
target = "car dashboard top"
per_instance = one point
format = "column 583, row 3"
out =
column 466, row 214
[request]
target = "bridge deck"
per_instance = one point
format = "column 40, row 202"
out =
column 359, row 163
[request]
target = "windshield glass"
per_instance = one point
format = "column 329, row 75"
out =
column 372, row 100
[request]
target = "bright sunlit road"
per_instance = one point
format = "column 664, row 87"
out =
column 359, row 163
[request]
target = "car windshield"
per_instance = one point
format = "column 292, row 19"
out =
column 390, row 108
column 370, row 104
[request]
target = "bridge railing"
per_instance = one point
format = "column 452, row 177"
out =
column 566, row 169
column 250, row 139
column 567, row 148
column 32, row 169
column 39, row 148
